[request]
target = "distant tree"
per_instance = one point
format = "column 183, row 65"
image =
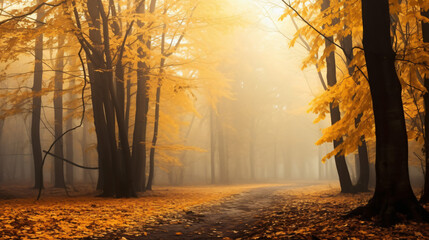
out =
column 69, row 138
column 166, row 51
column 223, row 151
column 212, row 147
column 37, row 102
column 58, row 113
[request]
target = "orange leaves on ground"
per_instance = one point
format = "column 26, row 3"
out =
column 79, row 217
column 318, row 212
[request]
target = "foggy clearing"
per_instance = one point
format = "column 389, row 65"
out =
column 202, row 119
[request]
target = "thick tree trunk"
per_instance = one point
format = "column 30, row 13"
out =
column 106, row 151
column 58, row 114
column 142, row 106
column 115, row 165
column 106, row 176
column 1, row 158
column 425, row 196
column 139, row 136
column 393, row 193
column 37, row 103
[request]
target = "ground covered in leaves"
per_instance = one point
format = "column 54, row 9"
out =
column 56, row 217
column 270, row 211
column 317, row 212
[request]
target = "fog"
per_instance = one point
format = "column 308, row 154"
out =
column 261, row 132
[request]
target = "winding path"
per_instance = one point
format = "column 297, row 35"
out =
column 226, row 220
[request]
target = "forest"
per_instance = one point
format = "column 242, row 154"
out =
column 204, row 119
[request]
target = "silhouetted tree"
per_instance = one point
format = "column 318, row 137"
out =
column 425, row 196
column 393, row 193
column 37, row 103
column 340, row 160
column 58, row 114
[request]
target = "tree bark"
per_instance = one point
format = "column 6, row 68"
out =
column 69, row 139
column 122, row 160
column 425, row 197
column 104, row 147
column 128, row 101
column 155, row 129
column 58, row 114
column 1, row 158
column 393, row 193
column 363, row 162
column 37, row 103
column 142, row 106
column 340, row 160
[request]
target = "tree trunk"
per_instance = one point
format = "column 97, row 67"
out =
column 1, row 158
column 104, row 147
column 87, row 177
column 139, row 136
column 340, row 160
column 142, row 106
column 393, row 193
column 425, row 196
column 128, row 101
column 106, row 178
column 155, row 129
column 69, row 139
column 37, row 102
column 363, row 162
column 212, row 146
column 363, row 180
column 223, row 161
column 252, row 150
column 58, row 114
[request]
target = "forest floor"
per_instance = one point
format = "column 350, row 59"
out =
column 299, row 210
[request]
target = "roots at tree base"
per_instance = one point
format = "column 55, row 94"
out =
column 389, row 210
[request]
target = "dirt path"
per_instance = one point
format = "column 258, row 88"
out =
column 229, row 219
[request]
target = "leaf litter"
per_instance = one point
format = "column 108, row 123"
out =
column 60, row 217
column 315, row 212
column 318, row 212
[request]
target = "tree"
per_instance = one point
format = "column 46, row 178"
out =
column 393, row 193
column 335, row 27
column 69, row 143
column 340, row 161
column 115, row 161
column 37, row 102
column 363, row 161
column 142, row 102
column 58, row 109
column 425, row 31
